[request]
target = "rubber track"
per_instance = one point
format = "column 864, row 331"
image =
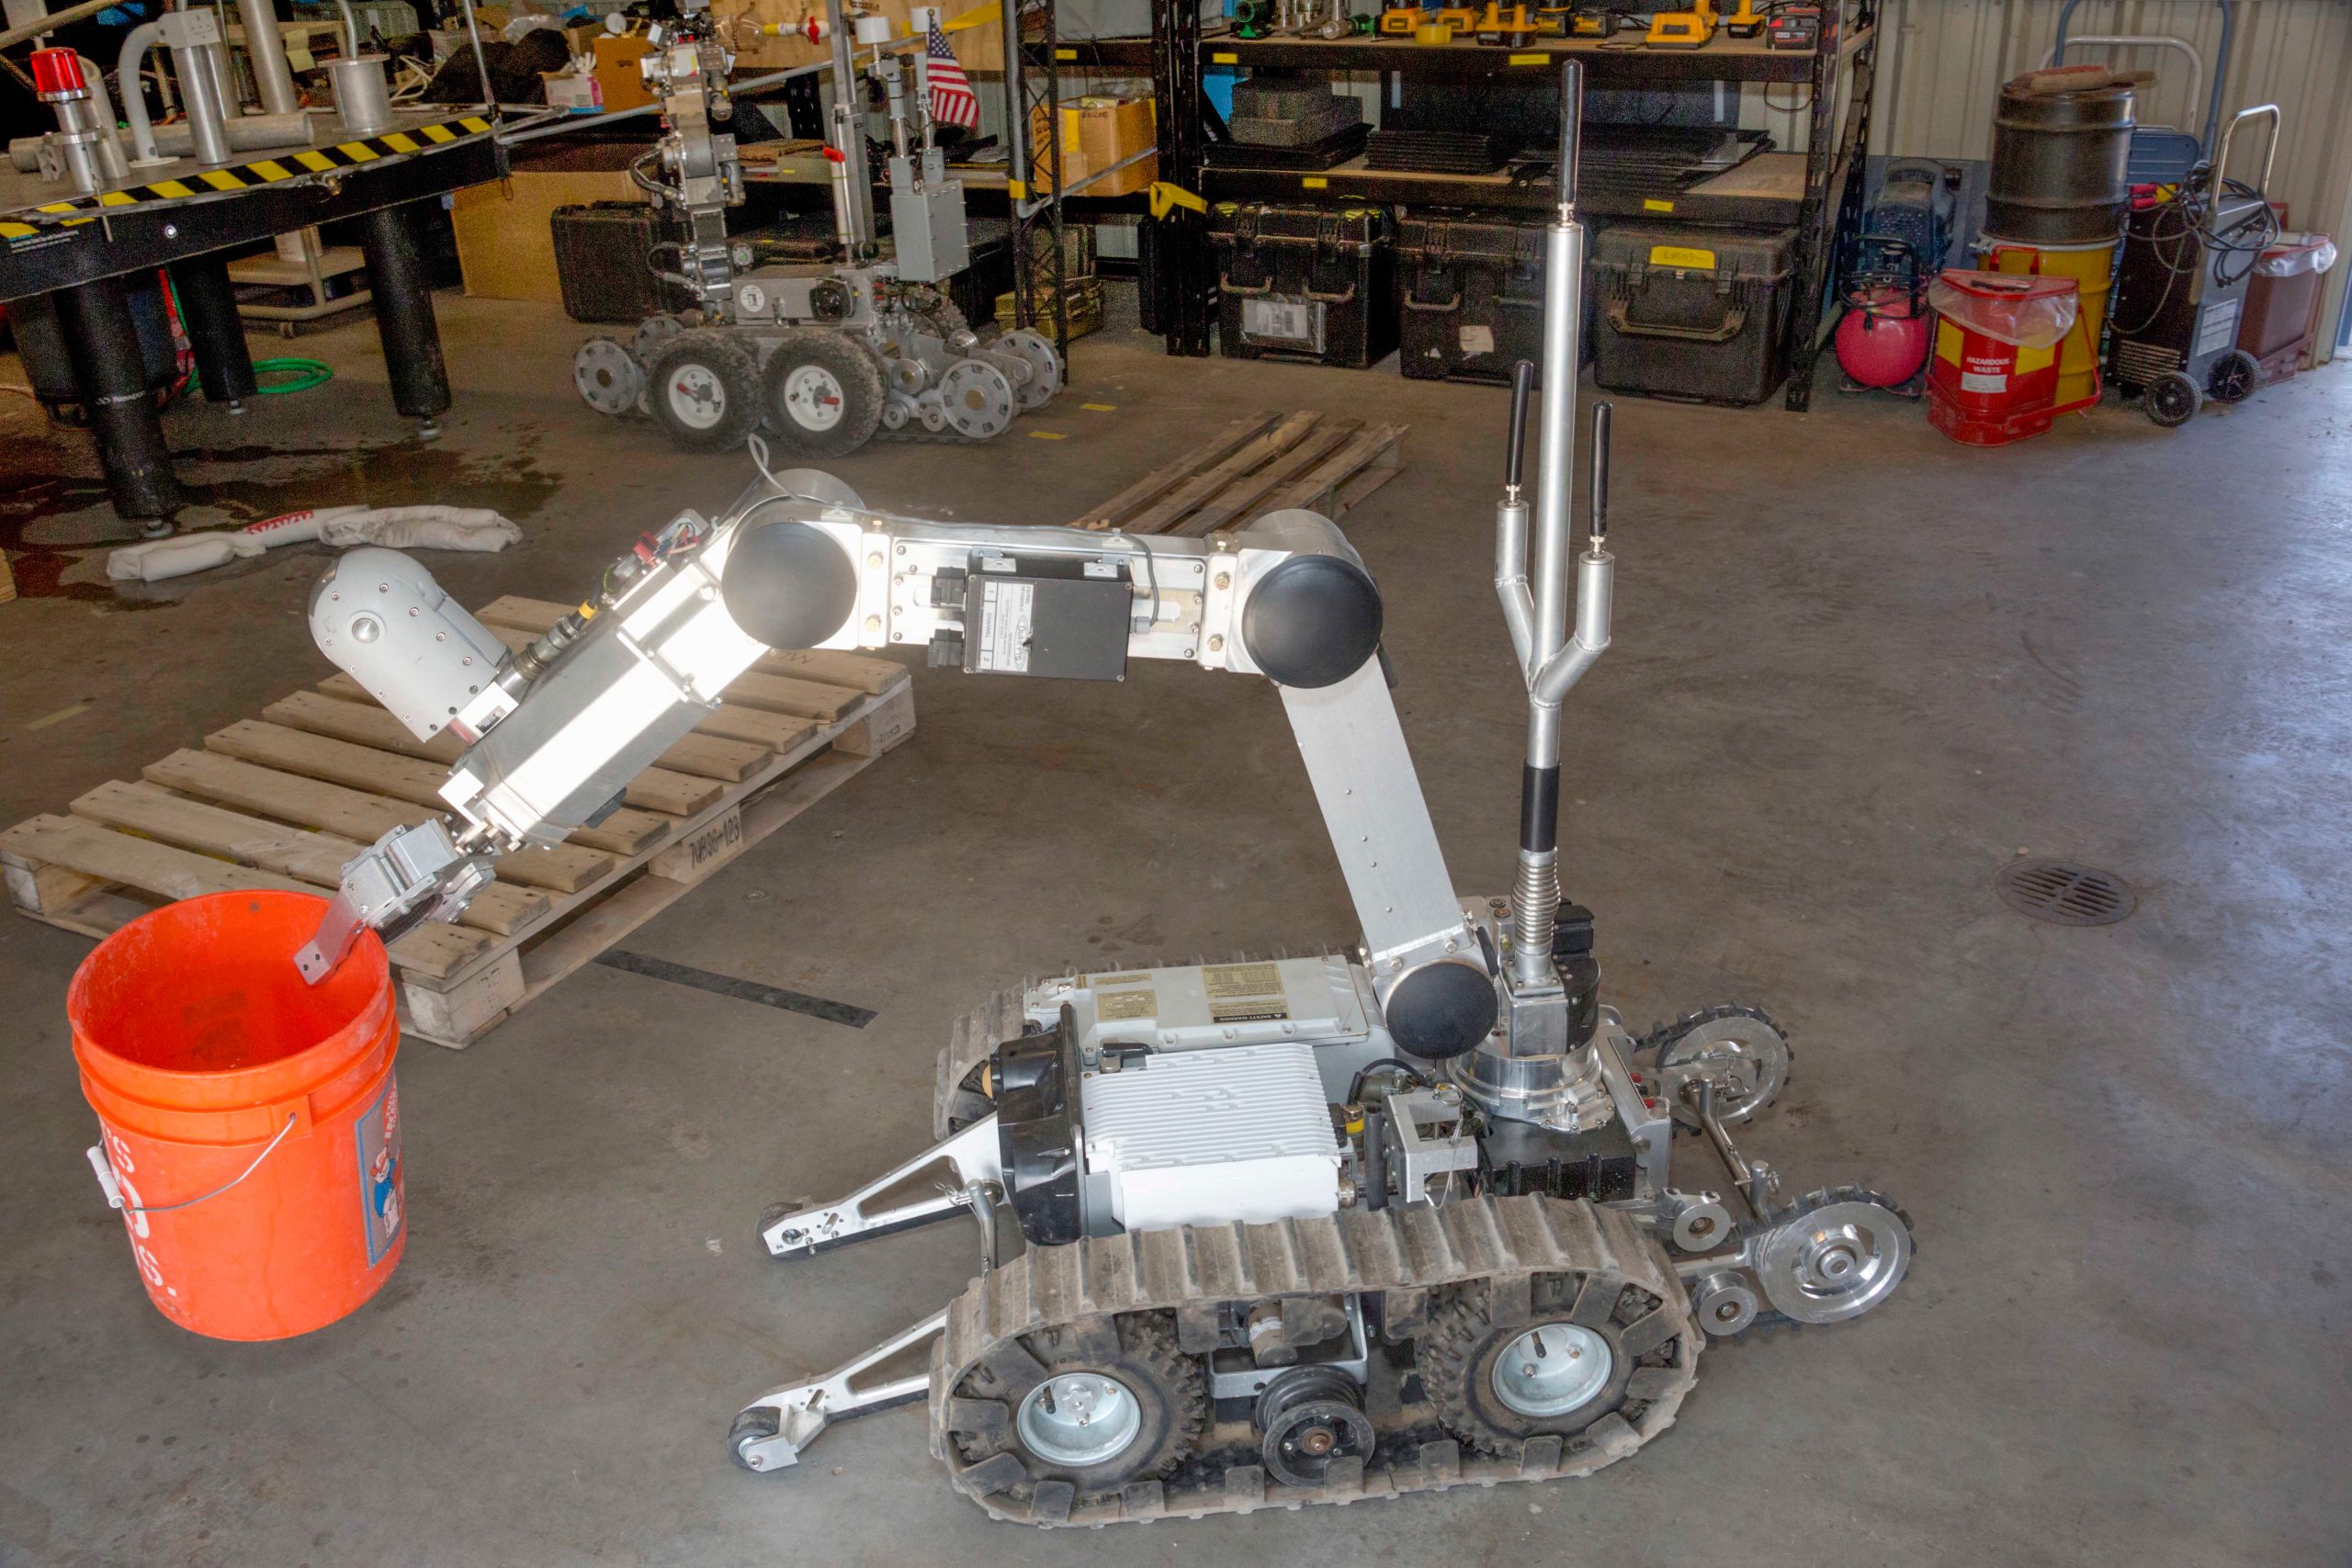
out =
column 975, row 1037
column 1497, row 1239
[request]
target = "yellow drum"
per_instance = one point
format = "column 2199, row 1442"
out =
column 2092, row 266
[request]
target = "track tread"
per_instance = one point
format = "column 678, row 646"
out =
column 1482, row 1239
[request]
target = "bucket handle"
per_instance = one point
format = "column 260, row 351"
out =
column 112, row 1184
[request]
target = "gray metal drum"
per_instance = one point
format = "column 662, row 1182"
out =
column 2059, row 166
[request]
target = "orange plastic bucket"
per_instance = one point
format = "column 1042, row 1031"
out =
column 251, row 1122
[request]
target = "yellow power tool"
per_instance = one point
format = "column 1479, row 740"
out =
column 1403, row 21
column 1682, row 30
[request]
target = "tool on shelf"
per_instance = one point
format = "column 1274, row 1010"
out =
column 1692, row 28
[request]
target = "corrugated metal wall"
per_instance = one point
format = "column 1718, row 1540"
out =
column 1942, row 62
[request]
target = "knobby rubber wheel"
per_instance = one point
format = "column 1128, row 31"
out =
column 1498, row 1380
column 1095, row 1404
column 2173, row 400
column 703, row 389
column 2234, row 378
column 824, row 393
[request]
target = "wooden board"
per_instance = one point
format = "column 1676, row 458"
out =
column 285, row 800
column 1255, row 466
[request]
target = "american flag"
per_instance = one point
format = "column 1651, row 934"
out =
column 952, row 100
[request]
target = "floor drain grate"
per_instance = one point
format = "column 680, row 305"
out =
column 2064, row 894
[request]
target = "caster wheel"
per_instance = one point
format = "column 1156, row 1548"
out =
column 755, row 1424
column 2173, row 400
column 2234, row 378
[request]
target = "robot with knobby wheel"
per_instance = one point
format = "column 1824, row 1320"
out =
column 1397, row 1216
column 824, row 355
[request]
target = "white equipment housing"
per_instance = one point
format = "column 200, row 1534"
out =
column 1194, row 1137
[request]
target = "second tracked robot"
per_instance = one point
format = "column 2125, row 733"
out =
column 824, row 355
column 1254, row 1234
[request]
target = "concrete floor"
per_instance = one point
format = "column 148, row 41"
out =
column 1859, row 669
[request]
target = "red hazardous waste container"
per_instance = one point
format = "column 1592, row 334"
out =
column 1993, row 377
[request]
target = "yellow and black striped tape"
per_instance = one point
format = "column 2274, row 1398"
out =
column 259, row 172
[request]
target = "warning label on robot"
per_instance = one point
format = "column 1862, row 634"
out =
column 1101, row 982
column 1260, row 1010
column 377, row 1135
column 1006, row 614
column 1113, row 1006
column 1242, row 980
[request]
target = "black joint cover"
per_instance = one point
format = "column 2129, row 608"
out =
column 1539, row 808
column 1036, row 1129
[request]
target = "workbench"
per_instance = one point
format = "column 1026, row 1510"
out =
column 189, row 218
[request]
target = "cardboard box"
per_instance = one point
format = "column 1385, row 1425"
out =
column 1075, row 164
column 575, row 94
column 507, row 248
column 1114, row 129
column 617, row 72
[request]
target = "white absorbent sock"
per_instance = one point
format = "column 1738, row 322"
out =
column 398, row 527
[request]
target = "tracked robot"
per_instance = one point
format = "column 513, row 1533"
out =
column 825, row 356
column 1256, row 1234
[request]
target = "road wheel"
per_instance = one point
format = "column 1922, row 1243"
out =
column 824, row 393
column 703, row 390
column 1092, row 1406
column 1562, row 1368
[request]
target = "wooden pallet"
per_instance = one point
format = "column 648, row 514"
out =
column 283, row 800
column 1267, row 462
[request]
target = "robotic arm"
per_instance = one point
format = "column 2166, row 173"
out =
column 556, row 732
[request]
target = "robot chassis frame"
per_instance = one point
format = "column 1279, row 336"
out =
column 1256, row 1234
column 827, row 355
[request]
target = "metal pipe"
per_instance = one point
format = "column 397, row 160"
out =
column 246, row 133
column 351, row 30
column 128, row 66
column 53, row 21
column 265, row 51
column 77, row 145
column 111, row 162
column 1535, row 893
column 200, row 76
column 848, row 126
column 1510, row 524
column 224, row 73
column 363, row 99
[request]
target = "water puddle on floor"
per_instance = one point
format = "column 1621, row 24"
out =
column 53, row 523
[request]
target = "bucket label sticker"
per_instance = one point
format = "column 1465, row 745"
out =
column 378, row 1137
